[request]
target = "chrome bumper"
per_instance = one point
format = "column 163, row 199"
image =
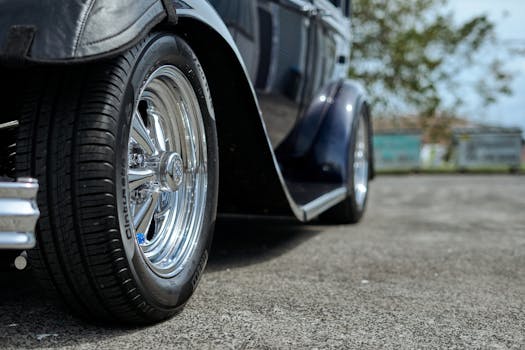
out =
column 18, row 213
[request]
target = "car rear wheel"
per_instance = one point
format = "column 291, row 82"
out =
column 126, row 153
column 351, row 210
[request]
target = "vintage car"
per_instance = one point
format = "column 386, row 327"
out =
column 127, row 125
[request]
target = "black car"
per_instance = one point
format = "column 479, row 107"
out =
column 128, row 125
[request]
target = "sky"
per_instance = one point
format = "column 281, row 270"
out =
column 509, row 17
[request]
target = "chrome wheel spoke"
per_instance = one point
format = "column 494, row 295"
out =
column 164, row 208
column 140, row 134
column 158, row 132
column 139, row 177
column 144, row 214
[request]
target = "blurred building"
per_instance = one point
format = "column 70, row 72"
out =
column 397, row 150
column 433, row 155
column 487, row 147
column 410, row 143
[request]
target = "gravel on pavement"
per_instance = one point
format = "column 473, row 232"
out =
column 437, row 262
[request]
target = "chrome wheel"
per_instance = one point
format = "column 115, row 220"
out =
column 167, row 171
column 361, row 165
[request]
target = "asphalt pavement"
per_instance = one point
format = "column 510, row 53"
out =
column 438, row 262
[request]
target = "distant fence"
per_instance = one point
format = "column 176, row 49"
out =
column 478, row 149
column 397, row 151
column 471, row 149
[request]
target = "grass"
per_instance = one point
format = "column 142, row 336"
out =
column 451, row 169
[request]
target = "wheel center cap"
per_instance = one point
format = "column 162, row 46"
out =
column 171, row 171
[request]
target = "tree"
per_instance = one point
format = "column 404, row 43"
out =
column 411, row 54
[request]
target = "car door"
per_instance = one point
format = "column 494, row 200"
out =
column 292, row 48
column 304, row 45
column 240, row 16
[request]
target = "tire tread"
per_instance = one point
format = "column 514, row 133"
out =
column 68, row 124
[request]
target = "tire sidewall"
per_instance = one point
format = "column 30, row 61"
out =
column 166, row 294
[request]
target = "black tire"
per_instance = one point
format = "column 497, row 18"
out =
column 73, row 138
column 7, row 259
column 349, row 211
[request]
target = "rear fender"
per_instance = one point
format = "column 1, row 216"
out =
column 316, row 151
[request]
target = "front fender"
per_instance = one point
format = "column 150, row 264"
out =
column 74, row 30
column 250, row 181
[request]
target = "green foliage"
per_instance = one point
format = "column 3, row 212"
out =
column 410, row 53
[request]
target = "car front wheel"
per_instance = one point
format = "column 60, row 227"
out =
column 126, row 155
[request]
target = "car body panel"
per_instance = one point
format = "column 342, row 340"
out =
column 258, row 166
column 308, row 106
column 314, row 155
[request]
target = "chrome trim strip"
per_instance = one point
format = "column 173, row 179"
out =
column 9, row 125
column 17, row 240
column 22, row 189
column 326, row 201
column 18, row 214
column 332, row 17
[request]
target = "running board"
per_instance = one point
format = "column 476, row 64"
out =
column 323, row 203
column 304, row 212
